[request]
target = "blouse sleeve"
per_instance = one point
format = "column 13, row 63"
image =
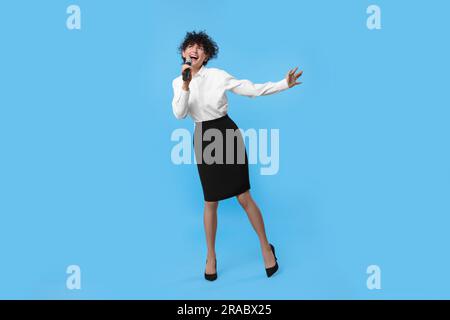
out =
column 249, row 89
column 180, row 100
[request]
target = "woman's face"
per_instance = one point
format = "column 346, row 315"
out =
column 197, row 54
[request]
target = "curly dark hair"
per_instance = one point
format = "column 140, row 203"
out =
column 200, row 38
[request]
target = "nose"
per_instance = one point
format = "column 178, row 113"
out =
column 194, row 49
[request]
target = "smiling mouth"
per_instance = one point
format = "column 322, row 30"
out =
column 194, row 59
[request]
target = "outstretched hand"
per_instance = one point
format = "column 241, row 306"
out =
column 291, row 77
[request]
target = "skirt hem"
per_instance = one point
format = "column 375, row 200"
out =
column 224, row 197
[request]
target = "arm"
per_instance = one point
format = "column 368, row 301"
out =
column 180, row 100
column 250, row 89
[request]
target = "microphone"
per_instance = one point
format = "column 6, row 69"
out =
column 187, row 72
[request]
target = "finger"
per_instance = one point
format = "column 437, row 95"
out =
column 297, row 83
column 298, row 75
column 292, row 71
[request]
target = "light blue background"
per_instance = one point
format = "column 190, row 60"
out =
column 86, row 176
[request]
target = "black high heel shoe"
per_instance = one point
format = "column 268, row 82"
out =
column 270, row 271
column 211, row 276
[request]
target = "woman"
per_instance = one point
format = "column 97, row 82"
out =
column 201, row 93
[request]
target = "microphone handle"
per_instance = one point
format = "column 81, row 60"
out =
column 186, row 74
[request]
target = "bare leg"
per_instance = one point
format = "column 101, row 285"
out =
column 210, row 223
column 256, row 219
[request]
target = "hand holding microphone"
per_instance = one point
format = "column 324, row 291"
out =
column 186, row 73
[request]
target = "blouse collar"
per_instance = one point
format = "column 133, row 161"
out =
column 202, row 71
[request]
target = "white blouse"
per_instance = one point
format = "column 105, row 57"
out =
column 207, row 99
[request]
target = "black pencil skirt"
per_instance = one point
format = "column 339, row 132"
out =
column 221, row 158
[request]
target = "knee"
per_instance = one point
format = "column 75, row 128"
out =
column 244, row 199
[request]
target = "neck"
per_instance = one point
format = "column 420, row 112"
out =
column 194, row 70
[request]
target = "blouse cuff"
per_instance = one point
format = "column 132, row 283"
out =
column 184, row 95
column 283, row 84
